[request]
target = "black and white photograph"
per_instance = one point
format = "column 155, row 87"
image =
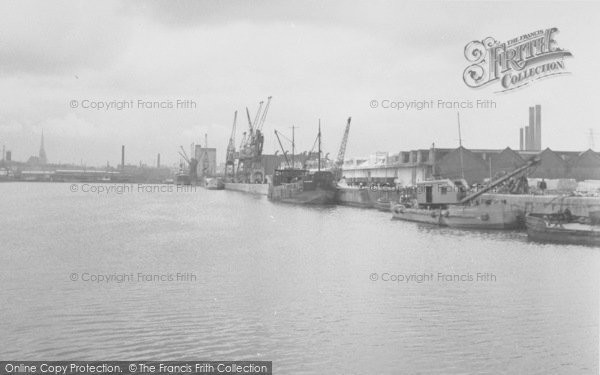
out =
column 299, row 187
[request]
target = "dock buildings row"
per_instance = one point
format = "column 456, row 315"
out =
column 475, row 165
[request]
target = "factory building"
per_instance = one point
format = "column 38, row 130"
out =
column 475, row 165
column 586, row 166
column 409, row 167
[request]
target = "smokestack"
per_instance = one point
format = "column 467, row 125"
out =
column 158, row 161
column 521, row 139
column 123, row 157
column 206, row 140
column 8, row 155
column 538, row 126
column 532, row 137
column 527, row 138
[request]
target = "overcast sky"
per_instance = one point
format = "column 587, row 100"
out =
column 318, row 59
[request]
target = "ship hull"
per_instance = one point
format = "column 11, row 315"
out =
column 494, row 216
column 569, row 233
column 214, row 184
column 293, row 193
column 417, row 215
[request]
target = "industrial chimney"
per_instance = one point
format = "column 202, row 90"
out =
column 123, row 157
column 521, row 145
column 538, row 127
column 532, row 137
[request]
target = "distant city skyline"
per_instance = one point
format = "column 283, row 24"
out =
column 317, row 59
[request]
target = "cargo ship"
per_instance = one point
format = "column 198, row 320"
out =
column 300, row 186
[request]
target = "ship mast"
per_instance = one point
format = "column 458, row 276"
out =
column 462, row 170
column 319, row 164
column 293, row 146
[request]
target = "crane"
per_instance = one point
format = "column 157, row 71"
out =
column 287, row 162
column 192, row 165
column 230, row 157
column 252, row 145
column 337, row 167
column 261, row 122
column 530, row 163
column 184, row 155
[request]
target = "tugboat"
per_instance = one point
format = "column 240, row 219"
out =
column 300, row 186
column 446, row 203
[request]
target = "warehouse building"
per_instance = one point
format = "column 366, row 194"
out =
column 409, row 167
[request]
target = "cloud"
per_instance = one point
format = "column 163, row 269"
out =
column 317, row 59
column 59, row 37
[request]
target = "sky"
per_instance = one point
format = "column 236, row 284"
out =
column 323, row 60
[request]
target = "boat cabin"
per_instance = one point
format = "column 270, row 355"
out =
column 441, row 192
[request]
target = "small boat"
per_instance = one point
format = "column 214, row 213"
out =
column 214, row 183
column 544, row 229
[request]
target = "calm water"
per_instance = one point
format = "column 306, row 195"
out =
column 286, row 284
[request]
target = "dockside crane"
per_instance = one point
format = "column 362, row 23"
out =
column 230, row 156
column 249, row 168
column 184, row 155
column 192, row 164
column 337, row 167
column 287, row 162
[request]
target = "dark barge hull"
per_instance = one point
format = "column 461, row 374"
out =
column 577, row 234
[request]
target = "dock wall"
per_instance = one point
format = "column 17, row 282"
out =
column 365, row 197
